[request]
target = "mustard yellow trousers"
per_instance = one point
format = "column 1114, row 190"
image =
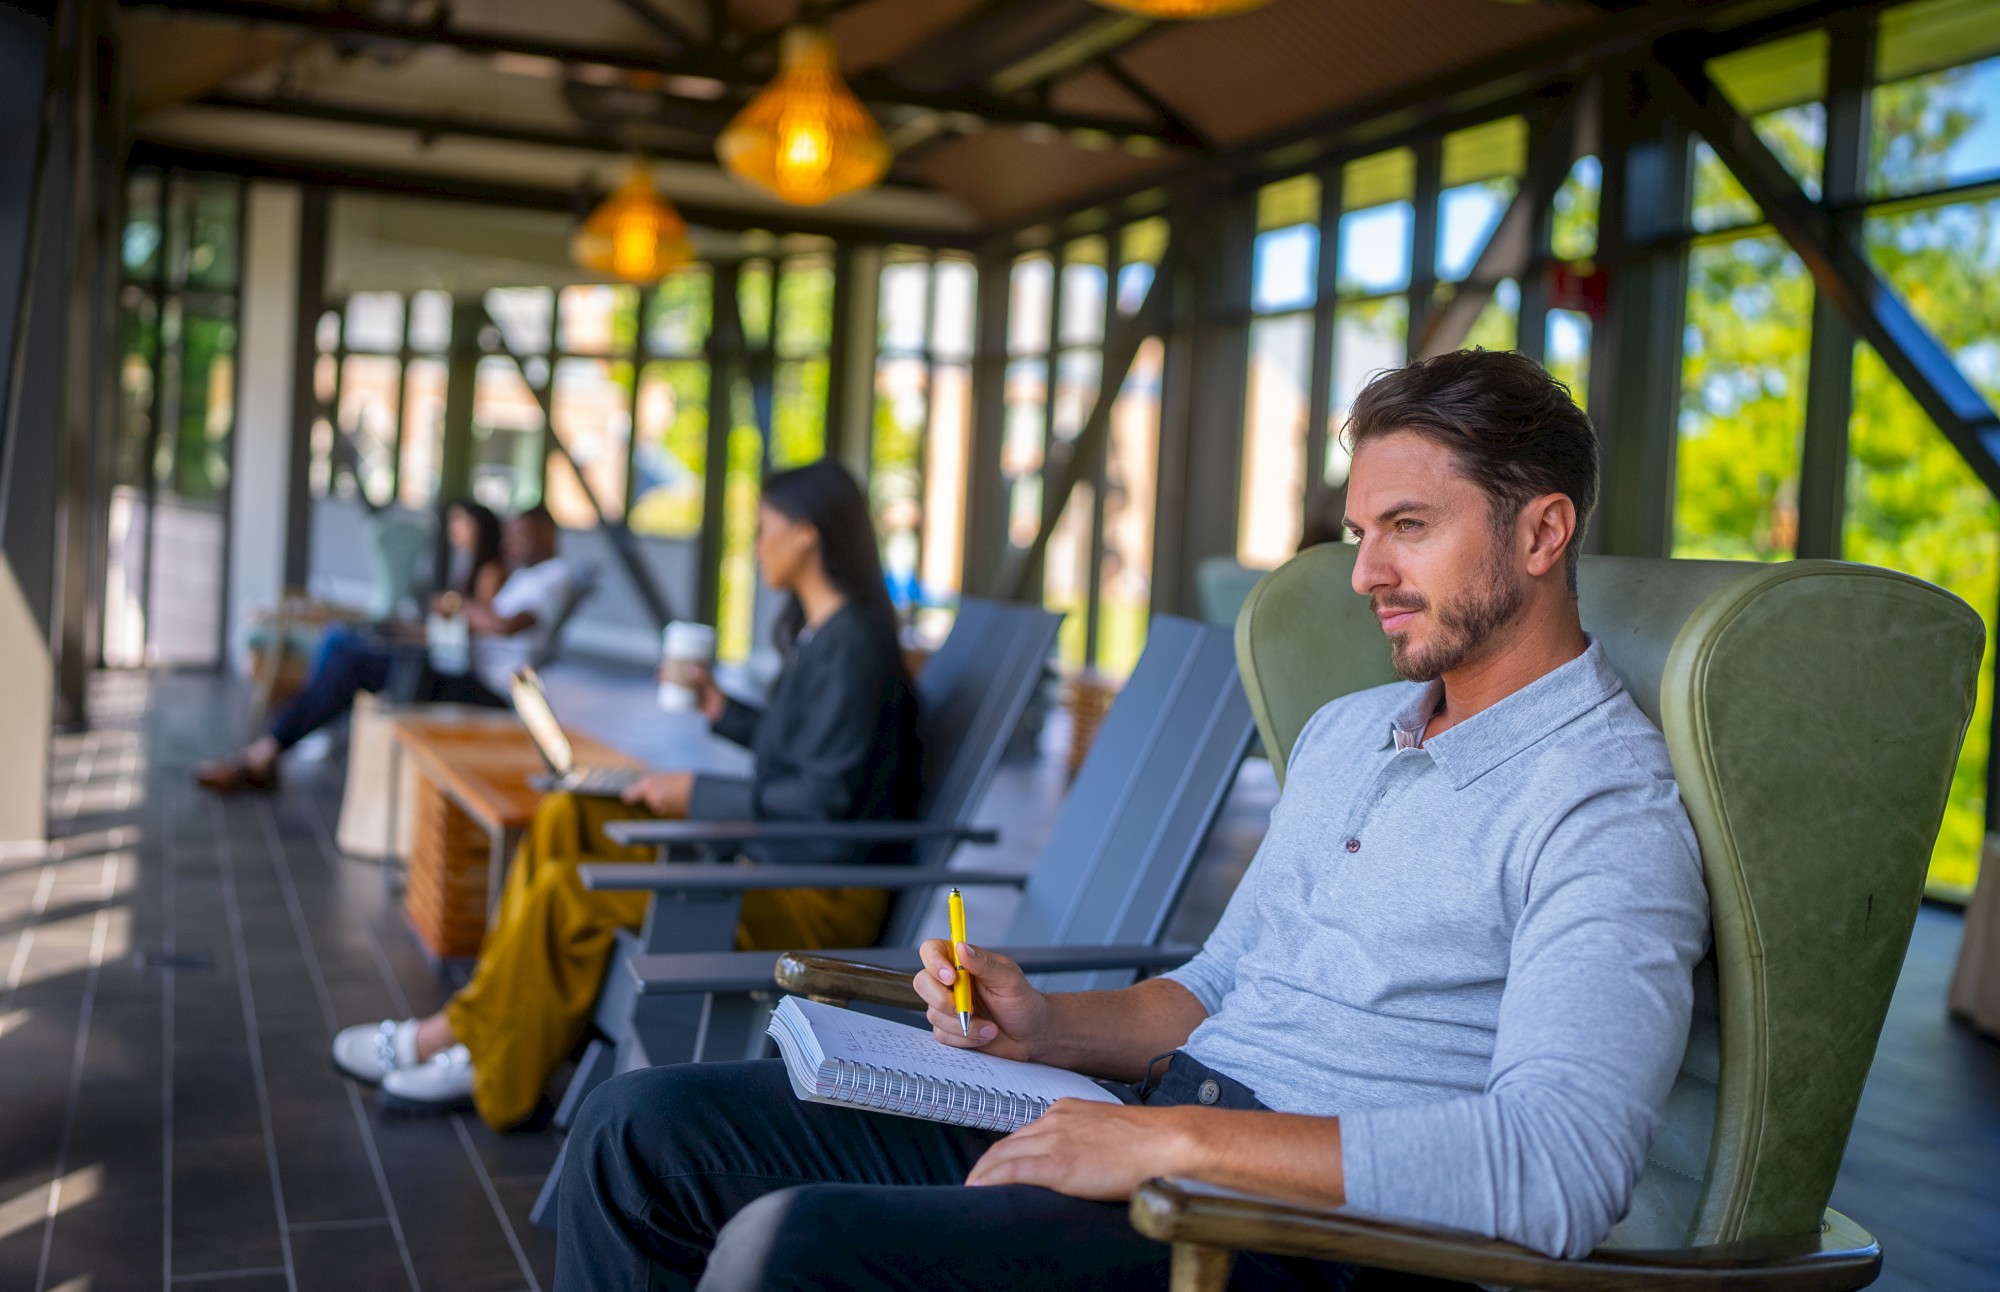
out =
column 546, row 952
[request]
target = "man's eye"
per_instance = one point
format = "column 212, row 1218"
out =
column 1408, row 526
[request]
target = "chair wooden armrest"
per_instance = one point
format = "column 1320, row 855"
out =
column 845, row 982
column 697, row 877
column 1208, row 1226
column 884, row 978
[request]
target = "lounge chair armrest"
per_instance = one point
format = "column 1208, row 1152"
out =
column 695, row 877
column 1202, row 1222
column 882, row 977
column 846, row 982
column 696, row 833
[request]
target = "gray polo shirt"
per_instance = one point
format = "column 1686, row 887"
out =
column 1476, row 950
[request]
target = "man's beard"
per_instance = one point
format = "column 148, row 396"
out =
column 1463, row 625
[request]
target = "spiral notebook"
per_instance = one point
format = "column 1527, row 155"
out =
column 836, row 1056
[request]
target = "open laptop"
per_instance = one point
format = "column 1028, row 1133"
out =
column 531, row 703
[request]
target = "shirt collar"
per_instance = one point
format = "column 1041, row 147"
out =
column 1490, row 737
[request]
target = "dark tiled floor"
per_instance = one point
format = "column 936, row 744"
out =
column 171, row 975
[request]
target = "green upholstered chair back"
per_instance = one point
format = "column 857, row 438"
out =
column 1813, row 711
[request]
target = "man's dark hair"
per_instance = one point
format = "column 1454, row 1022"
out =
column 538, row 515
column 1513, row 429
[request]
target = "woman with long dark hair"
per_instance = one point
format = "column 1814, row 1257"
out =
column 475, row 566
column 837, row 741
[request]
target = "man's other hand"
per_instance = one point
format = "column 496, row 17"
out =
column 663, row 793
column 1008, row 1015
column 1091, row 1150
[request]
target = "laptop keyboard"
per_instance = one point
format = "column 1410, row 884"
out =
column 603, row 780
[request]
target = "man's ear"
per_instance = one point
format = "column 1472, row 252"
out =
column 1550, row 527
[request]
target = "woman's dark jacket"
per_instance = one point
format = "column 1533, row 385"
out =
column 837, row 741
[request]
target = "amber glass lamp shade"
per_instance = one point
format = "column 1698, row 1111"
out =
column 634, row 234
column 805, row 137
column 1180, row 9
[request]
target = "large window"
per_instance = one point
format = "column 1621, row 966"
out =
column 1930, row 222
column 670, row 436
column 1098, row 566
column 778, row 407
column 624, row 372
column 1319, row 331
column 919, row 456
column 180, row 253
column 1284, row 277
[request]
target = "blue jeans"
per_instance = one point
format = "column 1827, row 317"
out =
column 347, row 663
column 716, row 1174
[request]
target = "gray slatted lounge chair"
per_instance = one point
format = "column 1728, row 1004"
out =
column 1095, row 906
column 970, row 696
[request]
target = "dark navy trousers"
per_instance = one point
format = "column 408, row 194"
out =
column 347, row 663
column 715, row 1175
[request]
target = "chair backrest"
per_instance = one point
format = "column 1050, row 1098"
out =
column 1813, row 711
column 1126, row 839
column 548, row 637
column 970, row 697
column 1222, row 583
column 397, row 541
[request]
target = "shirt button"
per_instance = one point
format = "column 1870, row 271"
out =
column 1209, row 1092
column 1354, row 845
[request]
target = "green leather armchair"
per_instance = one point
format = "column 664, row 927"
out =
column 1813, row 711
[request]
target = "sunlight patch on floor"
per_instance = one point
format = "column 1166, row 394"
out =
column 36, row 1205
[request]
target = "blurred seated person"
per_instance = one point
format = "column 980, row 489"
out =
column 1453, row 986
column 837, row 741
column 348, row 661
column 475, row 560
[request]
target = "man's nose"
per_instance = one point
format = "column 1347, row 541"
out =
column 1371, row 572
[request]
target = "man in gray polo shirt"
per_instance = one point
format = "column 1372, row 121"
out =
column 1453, row 987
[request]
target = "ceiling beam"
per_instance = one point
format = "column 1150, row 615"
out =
column 1138, row 89
column 427, row 126
column 1492, row 85
column 705, row 63
column 570, row 201
column 665, row 24
column 765, row 42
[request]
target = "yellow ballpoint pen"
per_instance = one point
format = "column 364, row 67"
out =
column 961, row 986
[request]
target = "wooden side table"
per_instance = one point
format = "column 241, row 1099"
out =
column 473, row 801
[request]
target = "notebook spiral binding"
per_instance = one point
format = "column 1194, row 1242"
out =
column 955, row 1102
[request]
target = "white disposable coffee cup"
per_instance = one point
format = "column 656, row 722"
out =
column 685, row 648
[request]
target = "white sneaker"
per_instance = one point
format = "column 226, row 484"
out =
column 442, row 1084
column 369, row 1051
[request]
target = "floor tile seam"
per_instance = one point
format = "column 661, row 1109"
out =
column 330, row 857
column 169, row 934
column 326, row 1226
column 262, row 1271
column 78, row 1054
column 282, row 866
column 493, row 1201
column 246, row 991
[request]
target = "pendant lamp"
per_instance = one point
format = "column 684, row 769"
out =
column 805, row 137
column 634, row 234
column 1183, row 8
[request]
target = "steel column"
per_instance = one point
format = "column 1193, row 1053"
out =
column 725, row 356
column 985, row 487
column 1830, row 371
column 314, row 204
column 1635, row 363
column 1201, row 397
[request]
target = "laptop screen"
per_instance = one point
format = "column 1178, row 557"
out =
column 531, row 703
